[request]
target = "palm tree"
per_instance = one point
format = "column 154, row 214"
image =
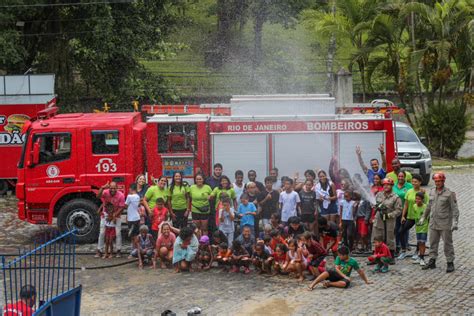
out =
column 349, row 21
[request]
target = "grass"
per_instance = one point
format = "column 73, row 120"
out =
column 448, row 162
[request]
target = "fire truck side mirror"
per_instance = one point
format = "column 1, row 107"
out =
column 35, row 154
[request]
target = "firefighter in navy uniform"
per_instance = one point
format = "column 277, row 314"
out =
column 388, row 207
column 443, row 213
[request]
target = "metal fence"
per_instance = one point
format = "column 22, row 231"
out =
column 49, row 267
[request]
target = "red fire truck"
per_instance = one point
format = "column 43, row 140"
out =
column 67, row 157
column 21, row 97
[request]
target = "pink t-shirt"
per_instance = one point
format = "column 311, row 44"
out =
column 164, row 241
column 118, row 200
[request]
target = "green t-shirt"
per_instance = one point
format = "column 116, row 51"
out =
column 347, row 266
column 419, row 210
column 392, row 175
column 155, row 192
column 410, row 200
column 200, row 197
column 217, row 193
column 402, row 191
column 178, row 197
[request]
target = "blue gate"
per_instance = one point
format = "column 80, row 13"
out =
column 50, row 270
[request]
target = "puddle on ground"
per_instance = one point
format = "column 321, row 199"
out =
column 273, row 306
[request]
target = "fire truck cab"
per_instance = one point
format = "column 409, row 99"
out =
column 67, row 158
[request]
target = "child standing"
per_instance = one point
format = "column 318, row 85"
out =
column 289, row 202
column 247, row 212
column 110, row 234
column 381, row 257
column 364, row 211
column 308, row 207
column 347, row 220
column 226, row 220
column 295, row 261
column 340, row 276
column 132, row 203
column 268, row 201
column 160, row 213
column 240, row 257
column 421, row 230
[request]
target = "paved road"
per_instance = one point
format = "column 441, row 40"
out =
column 405, row 289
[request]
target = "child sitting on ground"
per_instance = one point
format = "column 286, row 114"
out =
column 340, row 276
column 295, row 261
column 314, row 253
column 109, row 230
column 294, row 228
column 223, row 257
column 261, row 259
column 240, row 257
column 144, row 247
column 328, row 234
column 204, row 255
column 381, row 257
column 267, row 229
column 164, row 246
column 276, row 223
column 279, row 258
column 246, row 239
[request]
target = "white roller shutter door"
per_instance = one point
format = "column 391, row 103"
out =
column 369, row 144
column 242, row 151
column 299, row 152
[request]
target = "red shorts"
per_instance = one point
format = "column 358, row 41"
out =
column 328, row 239
column 110, row 232
column 362, row 227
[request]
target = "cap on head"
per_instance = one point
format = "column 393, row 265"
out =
column 204, row 240
column 387, row 181
column 439, row 176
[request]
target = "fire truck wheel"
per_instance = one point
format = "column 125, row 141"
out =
column 3, row 187
column 80, row 214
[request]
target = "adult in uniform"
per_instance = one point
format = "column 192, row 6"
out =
column 391, row 205
column 443, row 213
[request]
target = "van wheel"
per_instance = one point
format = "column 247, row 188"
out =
column 82, row 215
column 426, row 179
column 3, row 187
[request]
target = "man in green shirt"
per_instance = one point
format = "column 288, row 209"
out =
column 396, row 166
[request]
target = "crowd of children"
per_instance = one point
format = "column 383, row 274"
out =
column 280, row 226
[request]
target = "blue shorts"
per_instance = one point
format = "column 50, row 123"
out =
column 331, row 210
column 421, row 237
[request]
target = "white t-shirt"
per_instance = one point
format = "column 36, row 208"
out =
column 238, row 191
column 133, row 201
column 289, row 202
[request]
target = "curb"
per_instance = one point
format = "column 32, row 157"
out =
column 453, row 167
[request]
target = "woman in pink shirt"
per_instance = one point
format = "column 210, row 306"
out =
column 164, row 246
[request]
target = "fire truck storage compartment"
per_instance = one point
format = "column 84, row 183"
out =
column 241, row 151
column 369, row 143
column 299, row 152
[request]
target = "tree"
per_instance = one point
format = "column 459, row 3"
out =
column 93, row 49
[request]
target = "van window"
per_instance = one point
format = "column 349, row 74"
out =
column 105, row 142
column 405, row 135
column 54, row 147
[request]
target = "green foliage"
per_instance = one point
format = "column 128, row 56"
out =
column 92, row 49
column 445, row 128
